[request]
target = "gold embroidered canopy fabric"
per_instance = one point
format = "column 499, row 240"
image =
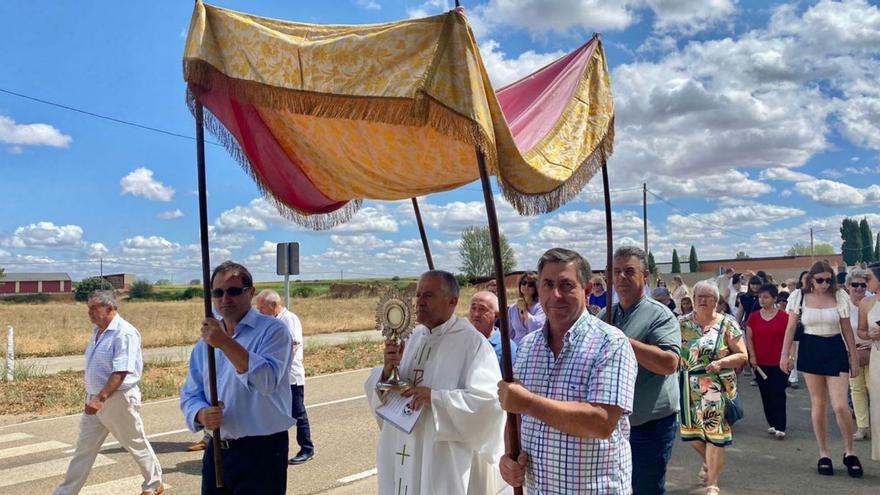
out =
column 326, row 116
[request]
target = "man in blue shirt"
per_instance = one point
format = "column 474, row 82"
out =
column 482, row 314
column 253, row 385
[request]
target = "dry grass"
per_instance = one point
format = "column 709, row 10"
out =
column 63, row 328
column 64, row 392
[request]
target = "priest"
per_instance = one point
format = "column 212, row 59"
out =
column 453, row 372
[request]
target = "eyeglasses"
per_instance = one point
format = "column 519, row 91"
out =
column 823, row 281
column 232, row 291
column 858, row 285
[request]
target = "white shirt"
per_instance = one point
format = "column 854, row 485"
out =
column 118, row 348
column 297, row 370
column 464, row 423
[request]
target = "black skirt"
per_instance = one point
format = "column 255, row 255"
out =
column 822, row 355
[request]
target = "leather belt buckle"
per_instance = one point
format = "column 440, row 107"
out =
column 225, row 445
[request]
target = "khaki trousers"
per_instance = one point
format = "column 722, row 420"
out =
column 121, row 417
column 858, row 386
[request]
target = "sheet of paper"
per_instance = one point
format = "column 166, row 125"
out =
column 397, row 411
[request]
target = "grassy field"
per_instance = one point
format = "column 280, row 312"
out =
column 63, row 328
column 64, row 393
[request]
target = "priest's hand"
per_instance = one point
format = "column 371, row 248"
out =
column 421, row 396
column 514, row 397
column 393, row 354
column 514, row 472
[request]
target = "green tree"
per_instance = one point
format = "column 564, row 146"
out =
column 140, row 289
column 475, row 252
column 676, row 264
column 3, row 272
column 867, row 237
column 195, row 281
column 163, row 281
column 652, row 265
column 693, row 262
column 801, row 249
column 86, row 286
column 851, row 249
column 876, row 252
column 742, row 255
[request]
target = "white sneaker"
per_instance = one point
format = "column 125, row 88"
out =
column 780, row 435
column 861, row 434
column 771, row 431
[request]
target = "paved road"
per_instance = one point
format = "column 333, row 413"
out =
column 34, row 455
column 55, row 364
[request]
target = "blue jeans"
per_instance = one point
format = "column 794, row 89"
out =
column 303, row 432
column 651, row 445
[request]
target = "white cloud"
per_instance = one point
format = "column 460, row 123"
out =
column 785, row 174
column 368, row 4
column 147, row 246
column 833, row 193
column 97, row 249
column 728, row 184
column 369, row 219
column 452, row 218
column 170, row 214
column 31, row 135
column 46, row 235
column 503, row 70
column 260, row 215
column 718, row 223
column 252, row 217
column 140, row 182
column 561, row 16
column 689, row 16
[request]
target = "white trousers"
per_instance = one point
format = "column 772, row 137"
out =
column 121, row 417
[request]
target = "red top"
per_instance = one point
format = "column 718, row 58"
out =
column 767, row 337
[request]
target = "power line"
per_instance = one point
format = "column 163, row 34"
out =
column 105, row 117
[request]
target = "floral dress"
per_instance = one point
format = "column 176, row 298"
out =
column 702, row 406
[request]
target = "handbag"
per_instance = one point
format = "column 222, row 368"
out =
column 733, row 409
column 799, row 329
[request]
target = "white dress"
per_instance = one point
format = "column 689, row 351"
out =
column 463, row 425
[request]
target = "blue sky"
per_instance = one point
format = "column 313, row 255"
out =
column 750, row 121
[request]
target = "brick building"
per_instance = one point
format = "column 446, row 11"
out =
column 35, row 283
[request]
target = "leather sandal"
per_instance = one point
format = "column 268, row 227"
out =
column 853, row 466
column 825, row 467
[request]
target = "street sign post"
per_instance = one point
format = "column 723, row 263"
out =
column 287, row 264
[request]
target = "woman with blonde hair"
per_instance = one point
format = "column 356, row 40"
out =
column 857, row 284
column 680, row 290
column 712, row 348
column 869, row 329
column 526, row 315
column 826, row 355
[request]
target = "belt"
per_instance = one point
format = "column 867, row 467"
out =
column 234, row 443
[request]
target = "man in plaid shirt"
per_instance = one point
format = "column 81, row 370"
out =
column 574, row 391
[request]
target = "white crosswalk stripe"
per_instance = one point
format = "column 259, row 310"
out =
column 132, row 484
column 32, row 448
column 11, row 437
column 41, row 470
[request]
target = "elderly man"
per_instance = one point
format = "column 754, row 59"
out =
column 453, row 372
column 655, row 336
column 113, row 368
column 269, row 304
column 483, row 314
column 253, row 383
column 575, row 392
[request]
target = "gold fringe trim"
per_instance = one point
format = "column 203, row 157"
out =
column 419, row 111
column 314, row 221
column 538, row 204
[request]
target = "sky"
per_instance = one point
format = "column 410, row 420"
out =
column 750, row 121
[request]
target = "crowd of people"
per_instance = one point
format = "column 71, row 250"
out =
column 599, row 405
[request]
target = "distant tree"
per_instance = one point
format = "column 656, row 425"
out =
column 851, row 248
column 462, row 280
column 876, row 251
column 140, row 289
column 801, row 249
column 89, row 285
column 163, row 281
column 676, row 264
column 693, row 261
column 195, row 281
column 652, row 265
column 742, row 255
column 867, row 237
column 3, row 271
column 475, row 252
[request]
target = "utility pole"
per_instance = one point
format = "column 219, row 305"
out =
column 102, row 266
column 812, row 250
column 645, row 213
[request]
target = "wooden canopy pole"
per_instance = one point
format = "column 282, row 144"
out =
column 206, row 279
column 425, row 246
column 506, row 363
column 609, row 245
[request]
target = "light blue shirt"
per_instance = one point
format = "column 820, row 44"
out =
column 118, row 348
column 495, row 340
column 258, row 401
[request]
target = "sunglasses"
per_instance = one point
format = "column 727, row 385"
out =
column 858, row 285
column 530, row 284
column 820, row 280
column 232, row 291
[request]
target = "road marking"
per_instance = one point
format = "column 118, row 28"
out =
column 150, row 437
column 80, row 414
column 42, row 470
column 11, row 437
column 358, row 476
column 338, row 401
column 338, row 373
column 31, row 449
column 132, row 484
